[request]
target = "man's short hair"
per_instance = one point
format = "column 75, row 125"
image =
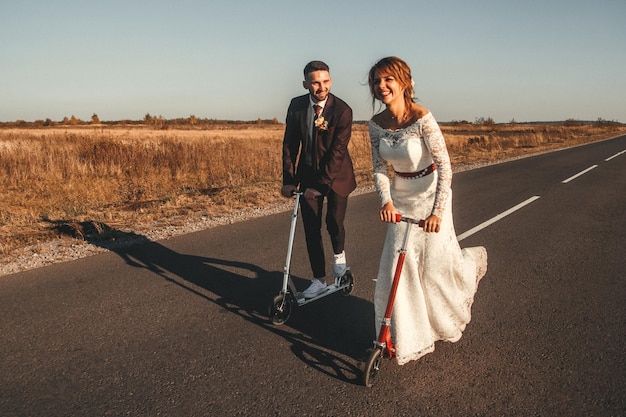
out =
column 315, row 66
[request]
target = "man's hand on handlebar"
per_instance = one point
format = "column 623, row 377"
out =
column 288, row 190
column 311, row 194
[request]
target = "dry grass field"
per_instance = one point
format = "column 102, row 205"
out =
column 79, row 182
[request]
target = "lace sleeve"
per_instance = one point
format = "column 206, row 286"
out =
column 437, row 146
column 381, row 170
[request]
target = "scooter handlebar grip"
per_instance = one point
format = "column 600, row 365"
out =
column 401, row 218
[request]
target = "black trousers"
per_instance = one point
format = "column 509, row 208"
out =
column 336, row 206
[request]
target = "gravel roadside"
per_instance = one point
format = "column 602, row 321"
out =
column 67, row 249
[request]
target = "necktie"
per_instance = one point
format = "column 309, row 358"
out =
column 318, row 110
column 309, row 148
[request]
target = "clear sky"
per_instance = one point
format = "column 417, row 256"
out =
column 535, row 60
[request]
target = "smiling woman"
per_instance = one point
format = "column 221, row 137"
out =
column 439, row 279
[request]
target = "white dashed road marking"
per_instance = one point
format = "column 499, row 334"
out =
column 579, row 174
column 496, row 218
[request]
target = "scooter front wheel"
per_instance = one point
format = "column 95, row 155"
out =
column 280, row 309
column 372, row 365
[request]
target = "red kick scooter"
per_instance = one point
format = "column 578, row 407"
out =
column 383, row 346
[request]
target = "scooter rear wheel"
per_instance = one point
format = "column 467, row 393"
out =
column 372, row 366
column 347, row 278
column 280, row 309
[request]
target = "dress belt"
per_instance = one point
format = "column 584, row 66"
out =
column 419, row 174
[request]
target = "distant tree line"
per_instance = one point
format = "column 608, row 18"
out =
column 162, row 123
column 158, row 122
column 488, row 121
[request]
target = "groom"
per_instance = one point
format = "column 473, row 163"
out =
column 316, row 159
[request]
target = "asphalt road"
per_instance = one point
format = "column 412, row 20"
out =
column 179, row 327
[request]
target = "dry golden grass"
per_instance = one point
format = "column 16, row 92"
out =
column 85, row 180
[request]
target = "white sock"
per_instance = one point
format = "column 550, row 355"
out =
column 340, row 258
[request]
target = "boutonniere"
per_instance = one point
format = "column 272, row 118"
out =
column 321, row 124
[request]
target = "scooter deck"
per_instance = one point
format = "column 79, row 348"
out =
column 332, row 288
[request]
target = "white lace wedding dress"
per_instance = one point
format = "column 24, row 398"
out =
column 439, row 279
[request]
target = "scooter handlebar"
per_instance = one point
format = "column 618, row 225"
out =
column 300, row 193
column 401, row 218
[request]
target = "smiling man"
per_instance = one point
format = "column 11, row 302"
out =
column 316, row 161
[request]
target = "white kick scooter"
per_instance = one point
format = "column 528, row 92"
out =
column 281, row 307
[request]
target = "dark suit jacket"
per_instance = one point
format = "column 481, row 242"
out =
column 333, row 166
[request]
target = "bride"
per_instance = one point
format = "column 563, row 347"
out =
column 413, row 177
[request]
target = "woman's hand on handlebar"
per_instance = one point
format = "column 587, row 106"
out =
column 388, row 213
column 432, row 224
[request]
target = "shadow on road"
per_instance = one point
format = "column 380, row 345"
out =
column 317, row 331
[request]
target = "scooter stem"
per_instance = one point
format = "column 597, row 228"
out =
column 396, row 282
column 292, row 233
column 384, row 336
